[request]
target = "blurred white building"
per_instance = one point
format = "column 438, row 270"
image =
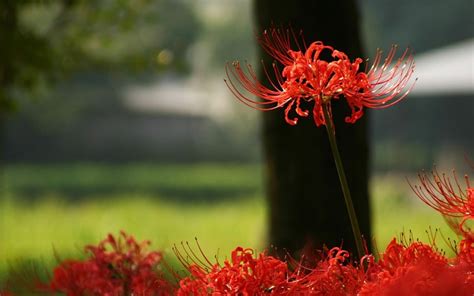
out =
column 447, row 70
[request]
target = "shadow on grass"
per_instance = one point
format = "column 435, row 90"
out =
column 180, row 183
column 167, row 193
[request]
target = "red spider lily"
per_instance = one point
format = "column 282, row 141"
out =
column 397, row 256
column 465, row 254
column 448, row 198
column 417, row 269
column 115, row 267
column 124, row 254
column 334, row 275
column 307, row 77
column 79, row 278
column 242, row 275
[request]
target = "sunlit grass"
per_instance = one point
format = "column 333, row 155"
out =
column 396, row 209
column 31, row 231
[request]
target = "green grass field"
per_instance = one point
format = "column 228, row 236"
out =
column 66, row 207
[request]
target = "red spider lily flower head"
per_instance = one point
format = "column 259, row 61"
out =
column 398, row 255
column 307, row 77
column 244, row 274
column 116, row 266
column 448, row 198
column 80, row 278
column 417, row 269
column 465, row 253
column 335, row 274
column 124, row 253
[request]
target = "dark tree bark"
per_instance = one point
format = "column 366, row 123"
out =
column 8, row 27
column 306, row 206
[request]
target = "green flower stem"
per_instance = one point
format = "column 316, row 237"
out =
column 342, row 178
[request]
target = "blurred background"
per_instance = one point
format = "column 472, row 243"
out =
column 114, row 115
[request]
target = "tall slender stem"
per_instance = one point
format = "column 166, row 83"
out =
column 342, row 178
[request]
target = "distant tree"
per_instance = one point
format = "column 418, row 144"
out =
column 44, row 40
column 306, row 206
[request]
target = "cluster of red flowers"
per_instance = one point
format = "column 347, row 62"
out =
column 412, row 269
column 306, row 76
column 418, row 269
column 116, row 266
column 246, row 274
column 404, row 269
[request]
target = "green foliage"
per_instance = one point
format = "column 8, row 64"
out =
column 41, row 40
column 231, row 38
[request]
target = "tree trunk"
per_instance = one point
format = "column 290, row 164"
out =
column 8, row 29
column 306, row 206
